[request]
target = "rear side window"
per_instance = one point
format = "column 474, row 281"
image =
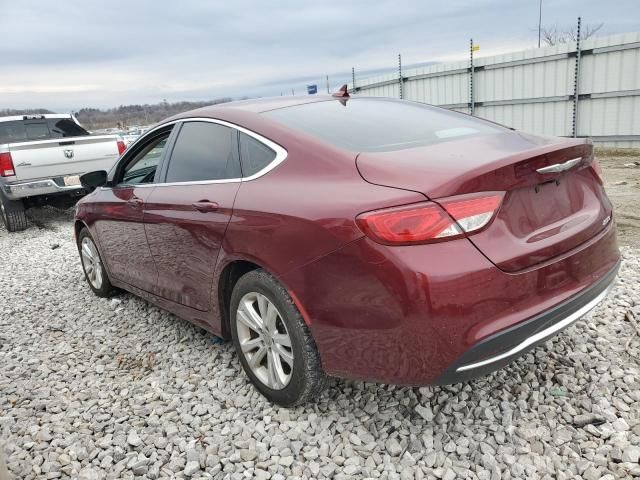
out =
column 379, row 125
column 37, row 130
column 204, row 151
column 65, row 127
column 12, row 131
column 255, row 155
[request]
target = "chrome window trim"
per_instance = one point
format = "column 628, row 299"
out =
column 281, row 153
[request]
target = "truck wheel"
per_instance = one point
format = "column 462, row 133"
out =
column 13, row 214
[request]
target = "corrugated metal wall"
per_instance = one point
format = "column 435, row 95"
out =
column 533, row 90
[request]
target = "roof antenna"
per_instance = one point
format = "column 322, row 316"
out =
column 342, row 95
column 343, row 92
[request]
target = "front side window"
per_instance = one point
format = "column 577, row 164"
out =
column 255, row 155
column 204, row 151
column 142, row 168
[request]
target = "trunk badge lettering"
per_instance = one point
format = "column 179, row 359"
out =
column 68, row 153
column 560, row 167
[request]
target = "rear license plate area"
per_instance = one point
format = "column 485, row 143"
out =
column 72, row 180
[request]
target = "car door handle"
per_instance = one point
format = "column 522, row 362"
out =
column 205, row 206
column 135, row 202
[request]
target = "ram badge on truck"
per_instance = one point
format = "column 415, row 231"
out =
column 41, row 159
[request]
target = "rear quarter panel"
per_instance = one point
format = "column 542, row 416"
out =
column 303, row 209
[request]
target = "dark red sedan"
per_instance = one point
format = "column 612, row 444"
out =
column 365, row 238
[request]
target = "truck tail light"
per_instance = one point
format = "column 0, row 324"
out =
column 121, row 147
column 6, row 165
column 428, row 222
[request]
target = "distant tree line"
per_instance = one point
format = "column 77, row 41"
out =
column 126, row 116
column 10, row 112
column 123, row 116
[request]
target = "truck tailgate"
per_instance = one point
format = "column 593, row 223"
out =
column 63, row 156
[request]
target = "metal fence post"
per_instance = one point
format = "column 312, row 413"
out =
column 576, row 84
column 353, row 79
column 400, row 75
column 472, row 102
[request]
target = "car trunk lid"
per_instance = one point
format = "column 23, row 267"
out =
column 554, row 199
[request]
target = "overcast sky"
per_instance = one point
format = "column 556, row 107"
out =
column 73, row 54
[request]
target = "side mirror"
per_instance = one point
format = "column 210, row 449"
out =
column 93, row 180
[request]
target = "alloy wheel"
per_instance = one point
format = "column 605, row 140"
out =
column 264, row 340
column 91, row 262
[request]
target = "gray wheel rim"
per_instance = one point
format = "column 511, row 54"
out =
column 264, row 340
column 91, row 262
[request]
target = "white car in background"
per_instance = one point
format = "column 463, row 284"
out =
column 41, row 160
column 132, row 135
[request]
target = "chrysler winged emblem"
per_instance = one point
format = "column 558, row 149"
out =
column 68, row 153
column 560, row 167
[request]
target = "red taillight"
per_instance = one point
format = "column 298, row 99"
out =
column 597, row 169
column 428, row 222
column 6, row 165
column 121, row 147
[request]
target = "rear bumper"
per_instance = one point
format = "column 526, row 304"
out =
column 503, row 347
column 43, row 186
column 414, row 315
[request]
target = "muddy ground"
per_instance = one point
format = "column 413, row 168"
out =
column 622, row 179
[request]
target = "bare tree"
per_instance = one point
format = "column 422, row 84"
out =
column 554, row 35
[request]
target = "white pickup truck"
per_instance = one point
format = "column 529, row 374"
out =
column 41, row 159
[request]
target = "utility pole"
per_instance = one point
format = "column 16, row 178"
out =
column 539, row 23
column 328, row 84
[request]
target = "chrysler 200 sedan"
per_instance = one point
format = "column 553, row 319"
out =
column 365, row 238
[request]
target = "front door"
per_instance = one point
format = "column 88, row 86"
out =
column 187, row 214
column 119, row 215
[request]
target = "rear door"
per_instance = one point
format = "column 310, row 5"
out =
column 187, row 214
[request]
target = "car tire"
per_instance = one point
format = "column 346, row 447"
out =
column 305, row 378
column 93, row 266
column 13, row 214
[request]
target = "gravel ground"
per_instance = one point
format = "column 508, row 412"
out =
column 93, row 388
column 622, row 179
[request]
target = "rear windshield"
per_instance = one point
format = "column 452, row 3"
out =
column 39, row 129
column 380, row 125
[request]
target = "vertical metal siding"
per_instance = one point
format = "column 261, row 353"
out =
column 534, row 95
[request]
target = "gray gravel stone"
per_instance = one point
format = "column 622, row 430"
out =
column 133, row 439
column 631, row 454
column 191, row 468
column 393, row 447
